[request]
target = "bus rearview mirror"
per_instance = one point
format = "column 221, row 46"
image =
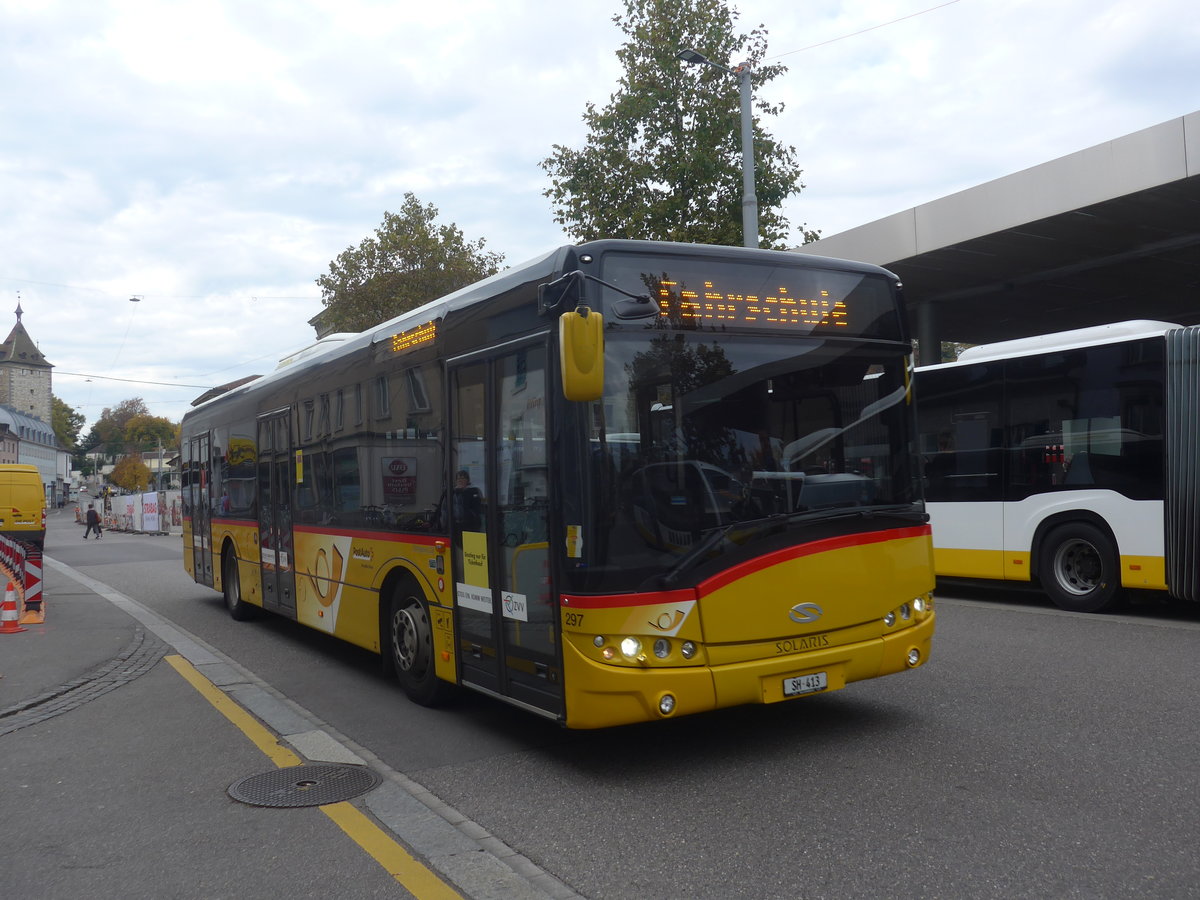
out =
column 581, row 354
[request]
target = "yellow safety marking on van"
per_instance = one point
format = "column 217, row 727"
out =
column 418, row 880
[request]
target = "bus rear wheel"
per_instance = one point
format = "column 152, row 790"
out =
column 1079, row 568
column 231, row 589
column 411, row 645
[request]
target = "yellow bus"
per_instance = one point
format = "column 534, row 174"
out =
column 624, row 481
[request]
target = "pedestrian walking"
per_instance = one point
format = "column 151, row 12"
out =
column 93, row 522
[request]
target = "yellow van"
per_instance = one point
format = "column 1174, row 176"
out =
column 22, row 504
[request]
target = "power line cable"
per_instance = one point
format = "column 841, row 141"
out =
column 864, row 30
column 137, row 380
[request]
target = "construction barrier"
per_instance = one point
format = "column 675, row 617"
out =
column 21, row 564
column 33, row 610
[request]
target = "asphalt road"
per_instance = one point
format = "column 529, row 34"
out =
column 1038, row 754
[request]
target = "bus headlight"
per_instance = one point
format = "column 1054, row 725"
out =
column 688, row 649
column 631, row 647
column 662, row 648
column 914, row 656
column 666, row 704
column 890, row 619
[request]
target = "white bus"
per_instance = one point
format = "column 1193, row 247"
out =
column 1068, row 459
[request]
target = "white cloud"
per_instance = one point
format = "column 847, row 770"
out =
column 214, row 157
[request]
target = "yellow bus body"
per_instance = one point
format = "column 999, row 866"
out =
column 851, row 580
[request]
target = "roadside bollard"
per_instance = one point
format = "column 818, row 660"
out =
column 9, row 614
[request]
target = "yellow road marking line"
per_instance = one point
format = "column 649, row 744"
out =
column 263, row 739
column 419, row 880
column 416, row 878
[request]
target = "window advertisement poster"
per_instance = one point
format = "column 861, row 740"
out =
column 400, row 480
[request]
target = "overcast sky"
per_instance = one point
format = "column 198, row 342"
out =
column 212, row 158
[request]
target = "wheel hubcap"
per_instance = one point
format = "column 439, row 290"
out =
column 408, row 637
column 1078, row 568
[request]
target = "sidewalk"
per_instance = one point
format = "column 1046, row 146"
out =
column 84, row 641
column 114, row 772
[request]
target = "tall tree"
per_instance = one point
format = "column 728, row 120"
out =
column 663, row 160
column 108, row 434
column 148, row 432
column 131, row 474
column 67, row 422
column 410, row 261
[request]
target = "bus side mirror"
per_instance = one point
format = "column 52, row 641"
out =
column 581, row 353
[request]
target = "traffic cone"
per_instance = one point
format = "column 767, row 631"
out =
column 9, row 614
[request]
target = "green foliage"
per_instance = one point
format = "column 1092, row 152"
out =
column 149, row 432
column 66, row 422
column 410, row 261
column 83, row 463
column 663, row 161
column 109, row 429
column 128, row 426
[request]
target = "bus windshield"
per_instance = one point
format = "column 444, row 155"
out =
column 705, row 448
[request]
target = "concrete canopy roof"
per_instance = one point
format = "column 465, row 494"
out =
column 1102, row 235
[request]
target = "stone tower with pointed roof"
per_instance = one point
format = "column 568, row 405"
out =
column 25, row 383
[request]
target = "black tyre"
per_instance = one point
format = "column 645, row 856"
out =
column 411, row 646
column 1079, row 568
column 231, row 589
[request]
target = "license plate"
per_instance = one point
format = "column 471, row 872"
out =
column 805, row 684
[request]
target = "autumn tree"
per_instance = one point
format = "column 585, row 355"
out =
column 663, row 160
column 67, row 422
column 409, row 261
column 131, row 474
column 128, row 426
column 108, row 433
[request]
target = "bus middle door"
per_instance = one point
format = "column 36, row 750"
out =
column 275, row 477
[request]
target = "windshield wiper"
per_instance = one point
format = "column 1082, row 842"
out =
column 710, row 541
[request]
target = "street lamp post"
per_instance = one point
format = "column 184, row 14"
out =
column 749, row 200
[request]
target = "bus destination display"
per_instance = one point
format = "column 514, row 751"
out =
column 738, row 296
column 712, row 306
column 406, row 340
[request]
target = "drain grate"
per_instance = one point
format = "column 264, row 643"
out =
column 304, row 786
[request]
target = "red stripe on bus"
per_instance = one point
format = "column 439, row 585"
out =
column 825, row 545
column 393, row 537
column 617, row 601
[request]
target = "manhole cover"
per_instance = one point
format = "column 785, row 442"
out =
column 304, row 786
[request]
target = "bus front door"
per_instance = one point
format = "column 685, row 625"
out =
column 507, row 621
column 200, row 502
column 275, row 477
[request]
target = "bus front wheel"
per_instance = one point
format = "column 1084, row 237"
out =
column 1079, row 568
column 411, row 643
column 231, row 588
